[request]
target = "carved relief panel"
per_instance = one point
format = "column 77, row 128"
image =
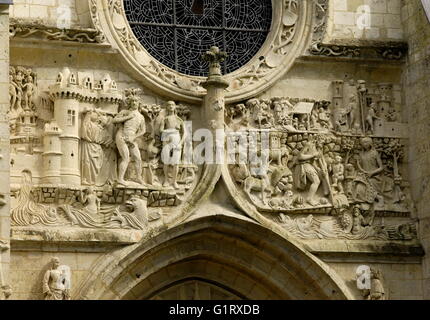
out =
column 87, row 155
column 324, row 169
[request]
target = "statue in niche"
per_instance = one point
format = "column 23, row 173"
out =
column 94, row 138
column 57, row 281
column 172, row 131
column 131, row 127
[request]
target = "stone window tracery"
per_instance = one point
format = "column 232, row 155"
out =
column 178, row 32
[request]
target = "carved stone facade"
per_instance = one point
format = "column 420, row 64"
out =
column 300, row 160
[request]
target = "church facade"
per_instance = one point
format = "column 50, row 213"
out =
column 206, row 149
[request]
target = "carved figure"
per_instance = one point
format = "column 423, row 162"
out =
column 305, row 171
column 242, row 175
column 370, row 164
column 353, row 113
column 18, row 79
column 324, row 118
column 131, row 127
column 29, row 89
column 377, row 291
column 260, row 113
column 338, row 173
column 282, row 181
column 279, row 111
column 370, row 119
column 342, row 120
column 173, row 135
column 13, row 96
column 350, row 176
column 93, row 137
column 57, row 282
column 358, row 221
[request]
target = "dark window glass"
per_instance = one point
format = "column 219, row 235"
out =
column 178, row 32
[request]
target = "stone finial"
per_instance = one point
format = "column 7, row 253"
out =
column 214, row 56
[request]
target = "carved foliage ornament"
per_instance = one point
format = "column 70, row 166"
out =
column 285, row 40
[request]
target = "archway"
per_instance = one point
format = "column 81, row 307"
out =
column 215, row 257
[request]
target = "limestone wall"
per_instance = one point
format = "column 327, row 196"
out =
column 30, row 266
column 417, row 95
column 366, row 20
column 310, row 78
column 4, row 149
column 402, row 281
column 53, row 11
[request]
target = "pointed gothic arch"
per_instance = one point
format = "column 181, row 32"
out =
column 230, row 256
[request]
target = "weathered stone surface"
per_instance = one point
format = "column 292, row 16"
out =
column 91, row 209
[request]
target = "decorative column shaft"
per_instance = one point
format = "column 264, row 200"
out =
column 214, row 101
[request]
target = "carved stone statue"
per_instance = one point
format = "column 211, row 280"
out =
column 370, row 165
column 369, row 281
column 305, row 172
column 370, row 119
column 172, row 131
column 93, row 137
column 260, row 113
column 29, row 92
column 353, row 113
column 131, row 127
column 377, row 291
column 338, row 173
column 57, row 281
